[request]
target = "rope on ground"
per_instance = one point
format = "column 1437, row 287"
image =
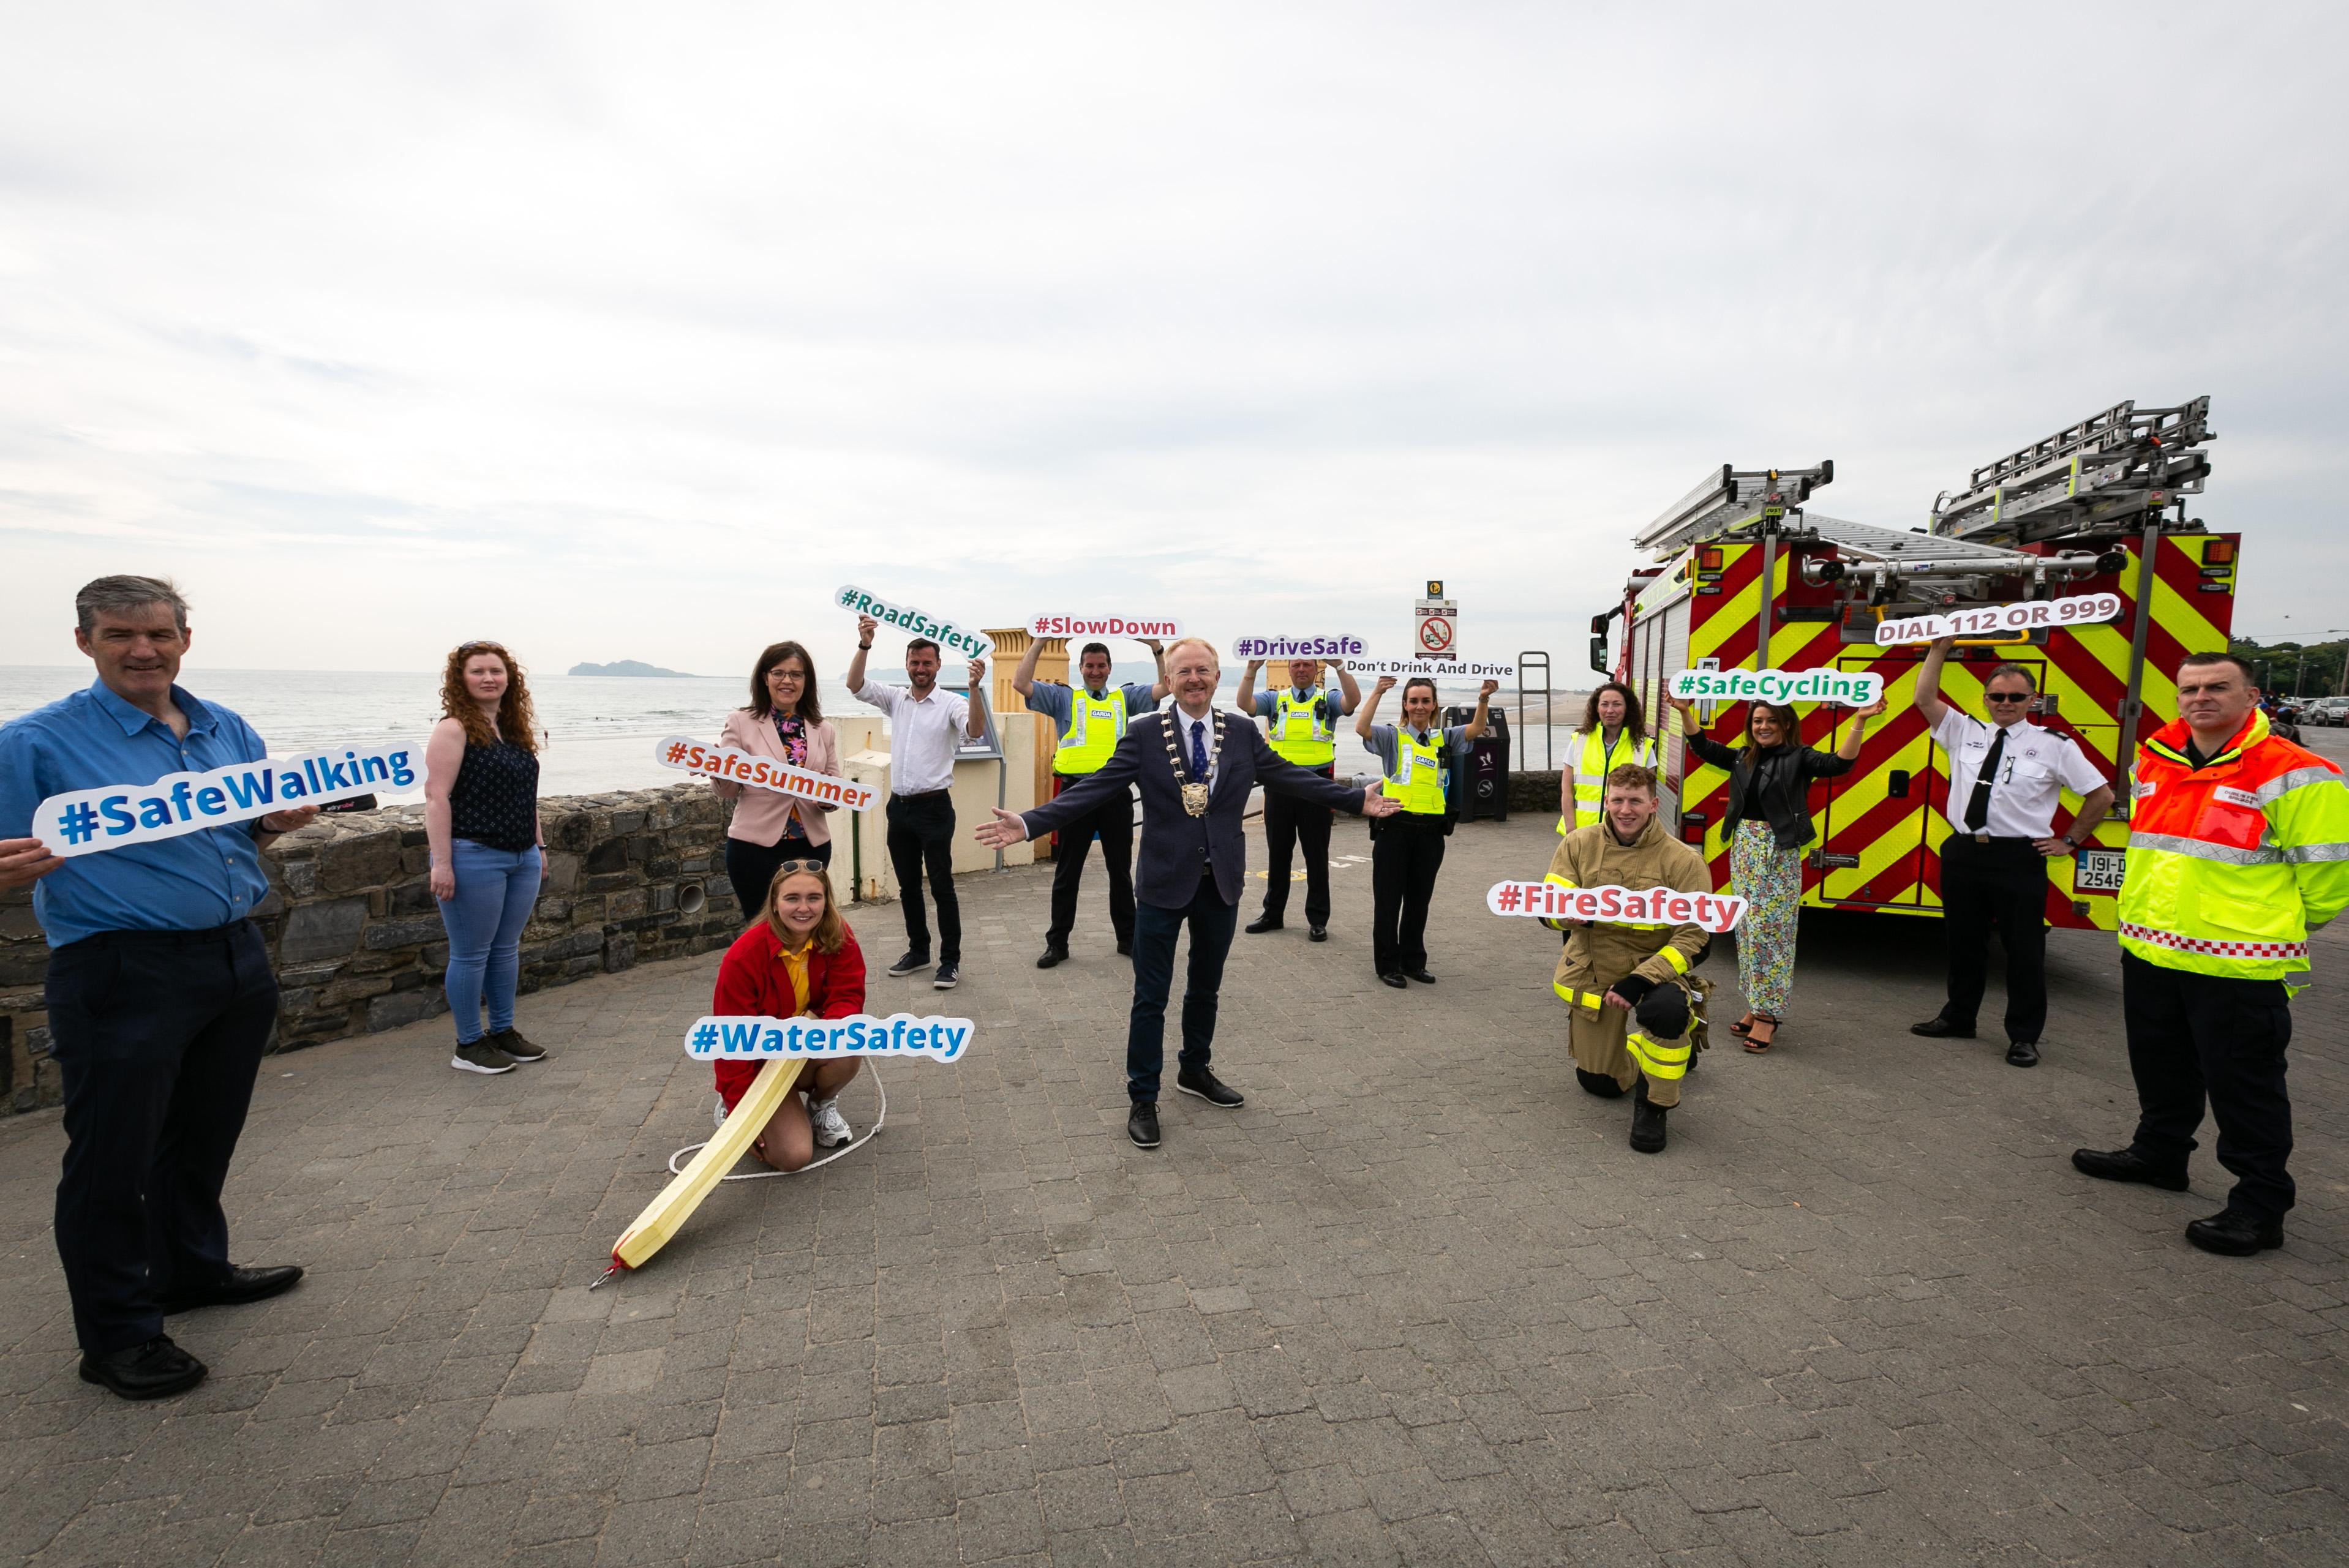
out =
column 677, row 1160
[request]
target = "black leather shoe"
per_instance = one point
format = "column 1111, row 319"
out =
column 1207, row 1085
column 1125, row 947
column 1053, row 955
column 1141, row 1125
column 1422, row 976
column 2233, row 1234
column 1939, row 1029
column 155, row 1370
column 1647, row 1122
column 1317, row 933
column 1397, row 981
column 2123, row 1165
column 241, row 1286
column 2022, row 1054
column 1600, row 1084
column 1262, row 923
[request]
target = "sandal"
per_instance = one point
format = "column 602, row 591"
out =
column 1762, row 1034
column 1741, row 1026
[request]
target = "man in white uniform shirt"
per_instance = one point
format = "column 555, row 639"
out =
column 926, row 726
column 2005, row 779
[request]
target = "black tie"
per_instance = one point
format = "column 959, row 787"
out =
column 1978, row 809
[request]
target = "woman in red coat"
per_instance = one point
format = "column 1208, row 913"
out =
column 799, row 961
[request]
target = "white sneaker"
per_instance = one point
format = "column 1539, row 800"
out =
column 717, row 1111
column 831, row 1128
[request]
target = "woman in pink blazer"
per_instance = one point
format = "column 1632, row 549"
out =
column 783, row 722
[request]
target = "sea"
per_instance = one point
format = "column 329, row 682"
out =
column 600, row 729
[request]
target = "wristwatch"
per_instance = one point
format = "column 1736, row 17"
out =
column 2071, row 840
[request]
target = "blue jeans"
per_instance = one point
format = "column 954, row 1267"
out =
column 1155, row 929
column 496, row 890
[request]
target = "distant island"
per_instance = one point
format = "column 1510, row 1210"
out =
column 629, row 668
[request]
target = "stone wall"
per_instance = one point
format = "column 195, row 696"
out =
column 357, row 938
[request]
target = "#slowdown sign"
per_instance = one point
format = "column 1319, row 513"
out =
column 1104, row 626
column 739, row 767
column 2032, row 616
column 1851, row 688
column 1613, row 905
column 739, row 1038
column 905, row 618
column 84, row 821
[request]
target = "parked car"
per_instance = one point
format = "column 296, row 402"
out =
column 2331, row 711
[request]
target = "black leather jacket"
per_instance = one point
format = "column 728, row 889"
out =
column 1785, row 773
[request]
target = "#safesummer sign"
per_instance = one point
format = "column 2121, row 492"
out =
column 737, row 766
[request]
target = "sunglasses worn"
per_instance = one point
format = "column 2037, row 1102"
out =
column 2007, row 696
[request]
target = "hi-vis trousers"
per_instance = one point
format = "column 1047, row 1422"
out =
column 1609, row 1041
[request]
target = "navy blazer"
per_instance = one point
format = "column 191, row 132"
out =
column 1178, row 849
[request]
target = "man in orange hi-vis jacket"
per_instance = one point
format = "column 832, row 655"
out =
column 2238, row 847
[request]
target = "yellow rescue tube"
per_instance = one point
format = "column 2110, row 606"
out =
column 683, row 1195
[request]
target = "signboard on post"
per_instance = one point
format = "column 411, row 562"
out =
column 1434, row 623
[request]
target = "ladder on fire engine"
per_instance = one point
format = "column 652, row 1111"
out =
column 2099, row 475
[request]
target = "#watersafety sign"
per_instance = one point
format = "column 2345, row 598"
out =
column 84, row 821
column 746, row 1038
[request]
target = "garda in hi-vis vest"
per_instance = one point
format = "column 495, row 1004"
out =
column 1299, row 732
column 1594, row 762
column 2229, row 864
column 1417, row 782
column 1095, row 727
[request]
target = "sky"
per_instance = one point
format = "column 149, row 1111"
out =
column 627, row 332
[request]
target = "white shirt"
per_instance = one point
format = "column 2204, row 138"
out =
column 1184, row 724
column 2034, row 768
column 923, row 735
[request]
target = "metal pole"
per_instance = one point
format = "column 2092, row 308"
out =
column 2133, row 703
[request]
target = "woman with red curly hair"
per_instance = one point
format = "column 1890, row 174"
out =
column 481, row 819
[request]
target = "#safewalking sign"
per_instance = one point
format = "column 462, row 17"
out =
column 114, row 816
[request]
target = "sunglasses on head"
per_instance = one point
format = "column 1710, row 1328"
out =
column 790, row 867
column 479, row 643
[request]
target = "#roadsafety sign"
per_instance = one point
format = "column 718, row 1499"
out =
column 946, row 633
column 739, row 767
column 1104, row 626
column 741, row 1038
column 1852, row 688
column 2035, row 614
column 84, row 821
column 1341, row 646
column 1613, row 905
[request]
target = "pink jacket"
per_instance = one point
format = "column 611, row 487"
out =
column 761, row 815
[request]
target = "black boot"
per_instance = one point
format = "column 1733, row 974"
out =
column 1647, row 1121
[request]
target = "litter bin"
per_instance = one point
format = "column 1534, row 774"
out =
column 1479, row 786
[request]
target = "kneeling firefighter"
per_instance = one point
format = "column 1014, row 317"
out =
column 1637, row 1011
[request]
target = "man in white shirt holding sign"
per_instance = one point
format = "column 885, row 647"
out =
column 926, row 726
column 2005, row 779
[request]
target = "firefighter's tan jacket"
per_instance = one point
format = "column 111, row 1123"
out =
column 1597, row 955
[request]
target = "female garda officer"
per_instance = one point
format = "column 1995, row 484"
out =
column 1407, row 849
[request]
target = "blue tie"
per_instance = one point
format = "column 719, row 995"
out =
column 1198, row 751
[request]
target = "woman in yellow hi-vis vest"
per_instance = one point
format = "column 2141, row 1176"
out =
column 1614, row 732
column 1407, row 849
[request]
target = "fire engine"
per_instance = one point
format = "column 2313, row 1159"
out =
column 1746, row 574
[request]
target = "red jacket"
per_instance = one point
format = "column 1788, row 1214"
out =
column 754, row 982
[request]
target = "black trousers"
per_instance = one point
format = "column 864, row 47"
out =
column 921, row 837
column 2192, row 1036
column 751, row 868
column 1212, row 923
column 1404, row 859
column 157, row 1037
column 1287, row 823
column 1112, row 823
column 2004, row 884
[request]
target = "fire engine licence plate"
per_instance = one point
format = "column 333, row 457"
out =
column 2097, row 870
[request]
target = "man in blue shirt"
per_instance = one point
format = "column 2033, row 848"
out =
column 1090, row 724
column 160, row 993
